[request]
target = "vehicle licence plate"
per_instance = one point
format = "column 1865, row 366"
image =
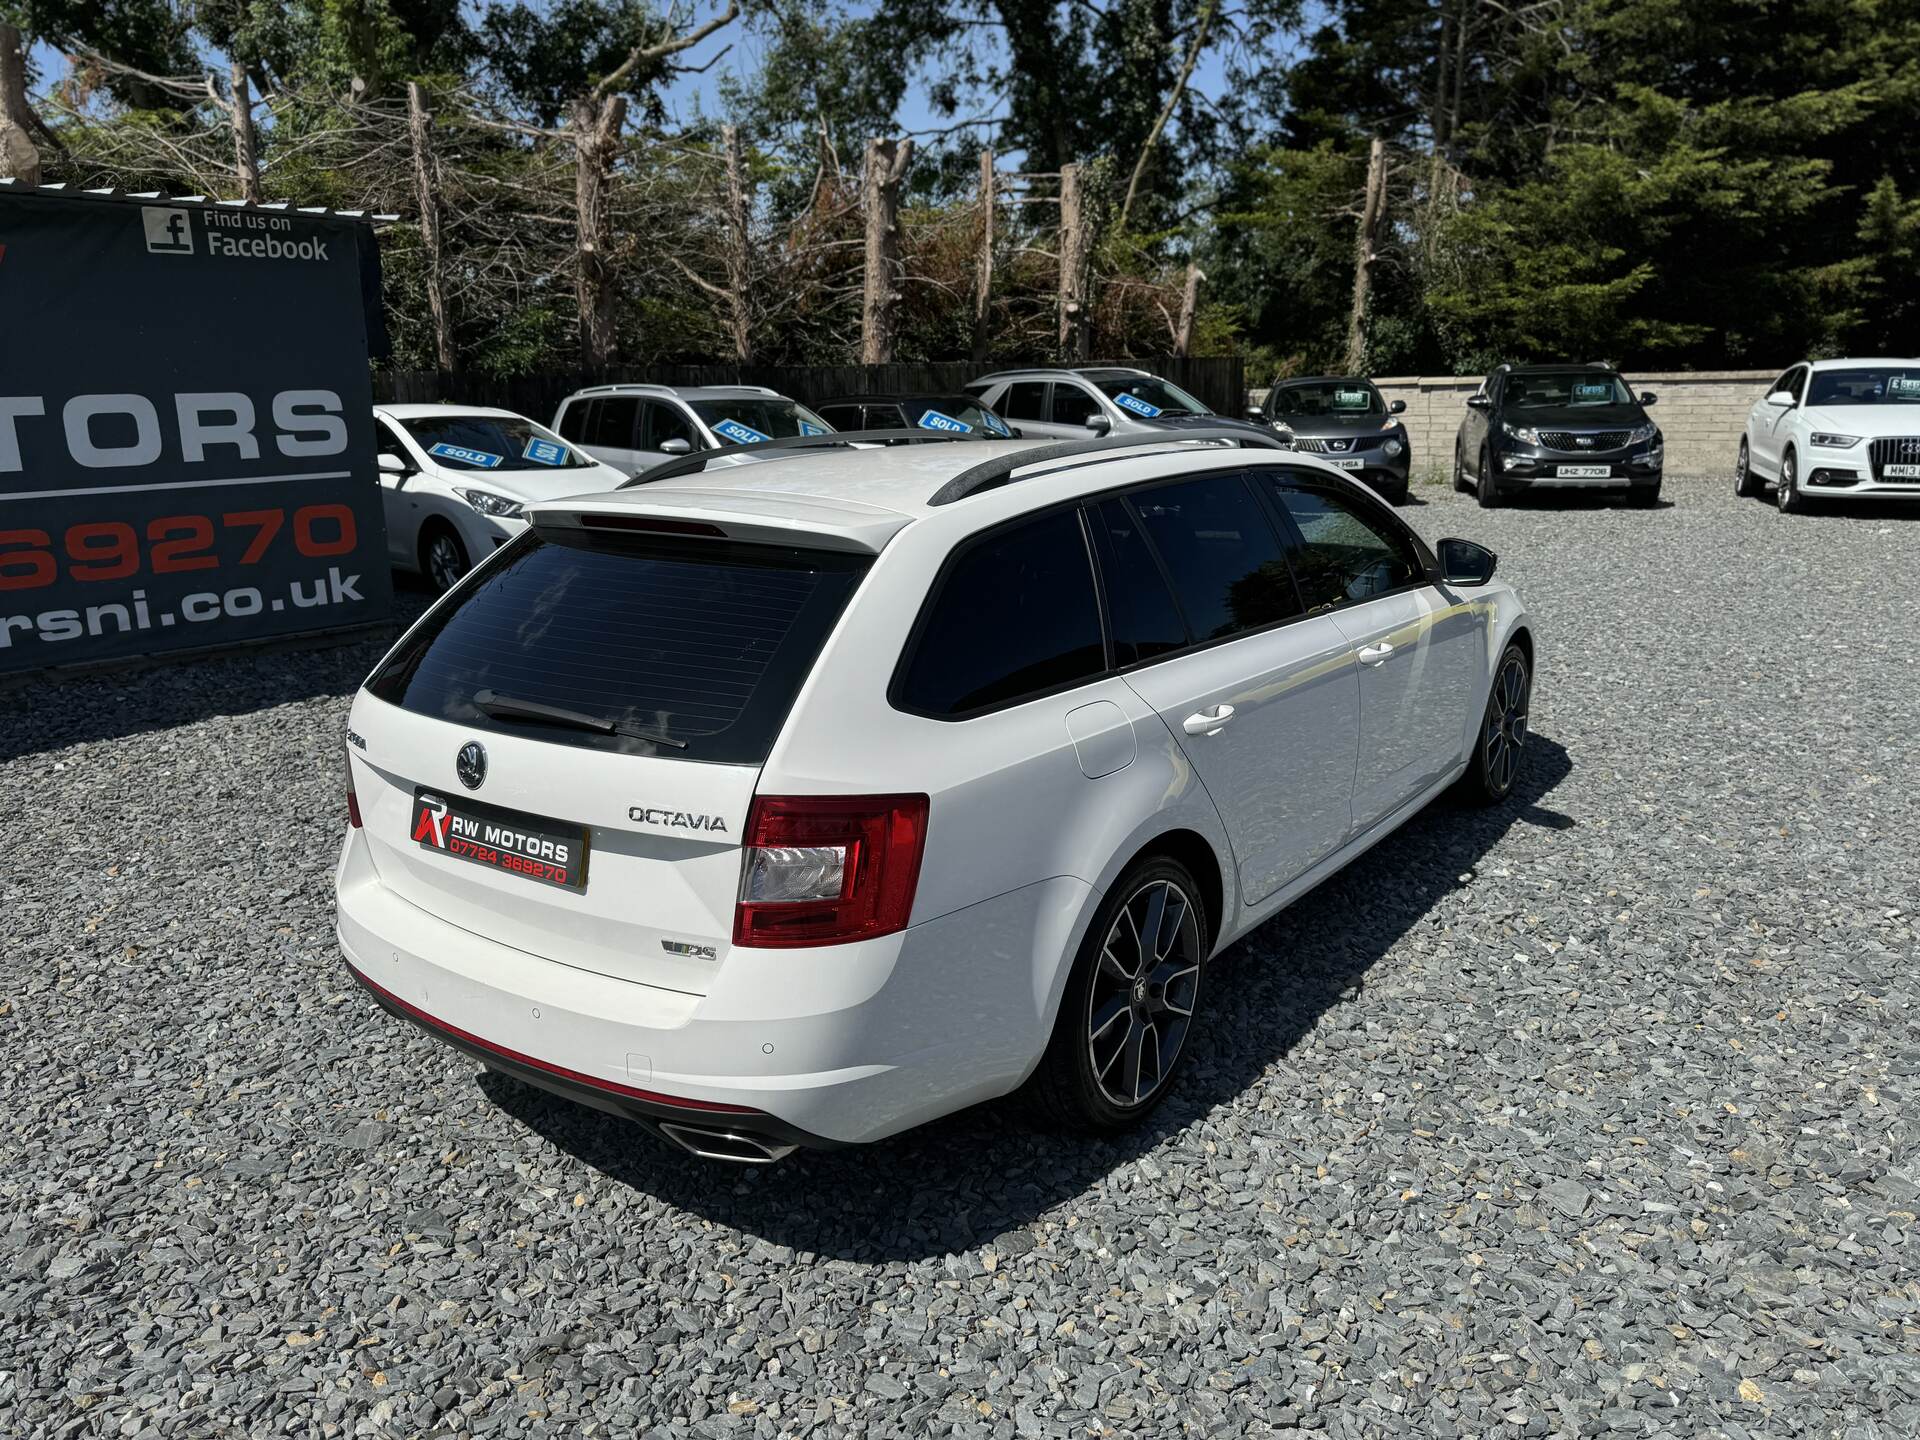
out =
column 553, row 852
column 1900, row 472
column 1583, row 472
column 1348, row 462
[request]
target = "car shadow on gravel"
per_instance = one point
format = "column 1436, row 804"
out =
column 986, row 1173
column 55, row 711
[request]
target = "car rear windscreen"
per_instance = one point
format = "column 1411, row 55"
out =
column 641, row 642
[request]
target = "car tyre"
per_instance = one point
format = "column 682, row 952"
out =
column 1786, row 493
column 1746, row 484
column 1130, row 1003
column 443, row 559
column 1459, row 471
column 1486, row 489
column 1644, row 497
column 1498, row 751
column 1395, row 494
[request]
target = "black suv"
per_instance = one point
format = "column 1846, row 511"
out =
column 1539, row 427
column 1347, row 421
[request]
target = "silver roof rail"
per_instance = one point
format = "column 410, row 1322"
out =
column 991, row 474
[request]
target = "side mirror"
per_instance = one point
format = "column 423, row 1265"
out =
column 676, row 446
column 1396, row 407
column 1479, row 402
column 1647, row 397
column 392, row 464
column 1464, row 563
column 1099, row 424
column 1255, row 413
column 1781, row 397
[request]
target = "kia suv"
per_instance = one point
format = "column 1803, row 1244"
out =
column 1558, row 427
column 807, row 801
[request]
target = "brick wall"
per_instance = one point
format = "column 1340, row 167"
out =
column 1700, row 413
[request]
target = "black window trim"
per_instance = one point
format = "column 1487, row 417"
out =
column 1285, row 533
column 931, row 601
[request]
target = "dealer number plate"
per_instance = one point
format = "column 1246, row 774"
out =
column 552, row 852
column 1900, row 472
column 1348, row 462
column 1583, row 472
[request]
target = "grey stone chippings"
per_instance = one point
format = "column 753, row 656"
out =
column 1592, row 1115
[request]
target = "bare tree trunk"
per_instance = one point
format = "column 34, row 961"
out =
column 596, row 126
column 983, row 262
column 1166, row 111
column 1189, row 303
column 246, row 163
column 739, row 249
column 1075, row 252
column 879, row 320
column 1365, row 240
column 18, row 156
column 427, row 197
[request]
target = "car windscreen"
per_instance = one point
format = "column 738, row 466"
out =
column 1560, row 389
column 493, row 442
column 1867, row 385
column 1326, row 397
column 1148, row 396
column 750, row 420
column 954, row 414
column 687, row 648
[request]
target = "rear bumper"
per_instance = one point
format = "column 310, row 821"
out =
column 848, row 1044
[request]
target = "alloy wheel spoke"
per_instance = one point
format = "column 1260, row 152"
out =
column 1141, row 1036
column 1103, row 1069
column 1109, row 1015
column 1175, row 974
column 1112, row 967
column 1156, row 920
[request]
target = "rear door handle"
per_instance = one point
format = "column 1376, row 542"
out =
column 1207, row 722
column 1376, row 654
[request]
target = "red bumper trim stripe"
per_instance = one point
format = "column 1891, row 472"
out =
column 631, row 1092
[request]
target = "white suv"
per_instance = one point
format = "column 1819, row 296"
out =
column 1834, row 428
column 805, row 803
column 1111, row 399
column 636, row 427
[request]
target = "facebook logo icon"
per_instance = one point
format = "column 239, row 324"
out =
column 169, row 232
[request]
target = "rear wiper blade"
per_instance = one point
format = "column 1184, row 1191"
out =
column 509, row 707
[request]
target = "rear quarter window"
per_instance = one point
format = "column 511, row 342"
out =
column 1013, row 616
column 706, row 642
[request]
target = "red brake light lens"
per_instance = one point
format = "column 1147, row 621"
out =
column 828, row 869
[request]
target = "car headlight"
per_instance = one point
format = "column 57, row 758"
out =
column 1392, row 448
column 1835, row 442
column 488, row 503
column 1526, row 435
column 1641, row 434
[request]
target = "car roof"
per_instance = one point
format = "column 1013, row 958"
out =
column 1322, row 380
column 1547, row 367
column 440, row 409
column 682, row 392
column 1054, row 372
column 1855, row 364
column 897, row 397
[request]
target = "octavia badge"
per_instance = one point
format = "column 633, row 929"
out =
column 471, row 764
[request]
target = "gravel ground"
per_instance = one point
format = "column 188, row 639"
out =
column 1592, row 1115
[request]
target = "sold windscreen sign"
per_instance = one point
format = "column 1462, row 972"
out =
column 186, row 434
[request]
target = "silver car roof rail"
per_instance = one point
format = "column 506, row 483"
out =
column 991, row 474
column 839, row 439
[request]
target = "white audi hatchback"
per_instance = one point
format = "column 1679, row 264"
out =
column 1834, row 429
column 800, row 803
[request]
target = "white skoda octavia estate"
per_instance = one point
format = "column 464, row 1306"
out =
column 800, row 803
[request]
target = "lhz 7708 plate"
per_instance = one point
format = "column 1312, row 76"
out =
column 1583, row 472
column 553, row 852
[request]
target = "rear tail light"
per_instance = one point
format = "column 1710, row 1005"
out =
column 353, row 800
column 826, row 869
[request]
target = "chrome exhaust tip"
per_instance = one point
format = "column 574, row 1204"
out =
column 729, row 1145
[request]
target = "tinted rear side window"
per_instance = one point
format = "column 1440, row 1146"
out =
column 1140, row 608
column 613, row 421
column 1013, row 616
column 1222, row 553
column 1024, row 401
column 705, row 641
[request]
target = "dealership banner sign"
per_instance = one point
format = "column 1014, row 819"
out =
column 186, row 428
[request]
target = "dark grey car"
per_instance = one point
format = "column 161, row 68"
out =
column 1345, row 420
